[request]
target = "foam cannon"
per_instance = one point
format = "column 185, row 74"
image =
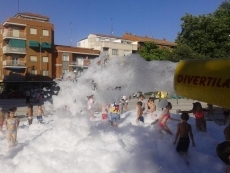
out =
column 204, row 80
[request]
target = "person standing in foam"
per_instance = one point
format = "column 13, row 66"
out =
column 144, row 104
column 159, row 111
column 90, row 106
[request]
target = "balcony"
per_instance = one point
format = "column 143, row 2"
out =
column 14, row 77
column 11, row 34
column 14, row 64
column 17, row 50
column 80, row 63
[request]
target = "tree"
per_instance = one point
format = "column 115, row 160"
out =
column 150, row 51
column 207, row 35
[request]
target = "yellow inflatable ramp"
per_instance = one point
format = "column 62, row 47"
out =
column 204, row 80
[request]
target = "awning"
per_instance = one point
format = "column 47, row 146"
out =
column 17, row 43
column 33, row 43
column 46, row 45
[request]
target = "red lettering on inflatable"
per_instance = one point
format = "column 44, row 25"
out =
column 226, row 83
column 209, row 80
column 179, row 78
column 202, row 81
column 190, row 78
column 218, row 83
column 196, row 80
column 185, row 78
column 214, row 82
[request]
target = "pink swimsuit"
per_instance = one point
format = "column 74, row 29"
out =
column 164, row 120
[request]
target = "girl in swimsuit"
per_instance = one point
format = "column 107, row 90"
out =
column 12, row 124
column 199, row 114
column 164, row 118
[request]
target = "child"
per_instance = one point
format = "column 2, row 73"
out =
column 40, row 113
column 144, row 103
column 163, row 118
column 105, row 111
column 114, row 115
column 184, row 131
column 151, row 106
column 139, row 112
column 198, row 112
column 90, row 106
column 223, row 152
column 12, row 124
column 29, row 113
column 2, row 118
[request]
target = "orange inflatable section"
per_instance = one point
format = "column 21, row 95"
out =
column 204, row 80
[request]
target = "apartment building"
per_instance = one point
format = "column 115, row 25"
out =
column 26, row 42
column 67, row 58
column 114, row 46
column 141, row 40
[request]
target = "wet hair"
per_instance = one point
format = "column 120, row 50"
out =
column 169, row 104
column 13, row 108
column 139, row 103
column 151, row 99
column 142, row 96
column 195, row 105
column 184, row 116
column 223, row 151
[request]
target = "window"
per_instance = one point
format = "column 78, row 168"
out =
column 33, row 72
column 33, row 31
column 114, row 52
column 65, row 57
column 33, row 58
column 45, row 59
column 45, row 32
column 45, row 73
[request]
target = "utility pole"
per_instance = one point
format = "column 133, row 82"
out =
column 71, row 34
column 111, row 26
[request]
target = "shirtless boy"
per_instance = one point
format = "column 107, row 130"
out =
column 151, row 105
column 184, row 131
column 139, row 112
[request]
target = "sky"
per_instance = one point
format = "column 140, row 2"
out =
column 76, row 19
column 69, row 142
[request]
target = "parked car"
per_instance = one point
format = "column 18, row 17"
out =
column 16, row 95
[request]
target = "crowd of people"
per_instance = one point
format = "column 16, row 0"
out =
column 160, row 114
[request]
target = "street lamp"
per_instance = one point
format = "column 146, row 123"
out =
column 40, row 60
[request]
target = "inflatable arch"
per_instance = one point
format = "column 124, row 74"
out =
column 204, row 80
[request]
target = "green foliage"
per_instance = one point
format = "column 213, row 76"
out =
column 150, row 51
column 207, row 35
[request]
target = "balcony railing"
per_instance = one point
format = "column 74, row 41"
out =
column 9, row 49
column 10, row 34
column 83, row 63
column 14, row 77
column 14, row 64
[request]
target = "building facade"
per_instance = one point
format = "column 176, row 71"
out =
column 26, row 42
column 141, row 40
column 67, row 58
column 30, row 58
column 114, row 46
